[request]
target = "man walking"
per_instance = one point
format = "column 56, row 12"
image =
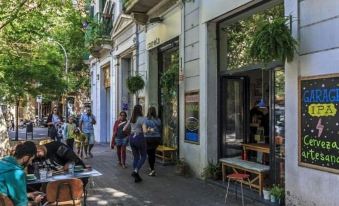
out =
column 87, row 120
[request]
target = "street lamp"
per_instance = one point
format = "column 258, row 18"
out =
column 65, row 53
column 66, row 68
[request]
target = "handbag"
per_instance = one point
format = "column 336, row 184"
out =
column 52, row 132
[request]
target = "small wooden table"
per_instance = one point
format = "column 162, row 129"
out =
column 264, row 148
column 238, row 165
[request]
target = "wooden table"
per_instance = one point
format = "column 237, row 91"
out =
column 86, row 173
column 259, row 147
column 238, row 165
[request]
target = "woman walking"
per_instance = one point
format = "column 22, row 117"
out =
column 152, row 133
column 54, row 121
column 137, row 141
column 120, row 138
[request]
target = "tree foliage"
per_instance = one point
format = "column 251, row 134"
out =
column 240, row 36
column 31, row 62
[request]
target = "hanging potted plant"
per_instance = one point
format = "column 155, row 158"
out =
column 135, row 84
column 273, row 41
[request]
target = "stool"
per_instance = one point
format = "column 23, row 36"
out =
column 237, row 177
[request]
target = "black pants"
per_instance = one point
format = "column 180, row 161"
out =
column 70, row 143
column 151, row 156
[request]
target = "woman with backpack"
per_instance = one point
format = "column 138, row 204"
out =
column 152, row 133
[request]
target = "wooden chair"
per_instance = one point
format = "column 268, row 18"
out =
column 5, row 201
column 65, row 192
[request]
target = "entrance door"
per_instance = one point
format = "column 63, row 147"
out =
column 168, row 107
column 234, row 118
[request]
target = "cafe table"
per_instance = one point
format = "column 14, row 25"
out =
column 86, row 173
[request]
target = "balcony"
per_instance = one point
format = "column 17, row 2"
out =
column 98, row 34
column 139, row 6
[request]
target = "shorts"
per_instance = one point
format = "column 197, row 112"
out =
column 90, row 137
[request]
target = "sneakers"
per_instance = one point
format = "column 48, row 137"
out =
column 124, row 166
column 152, row 173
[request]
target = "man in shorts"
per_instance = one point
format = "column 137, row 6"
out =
column 87, row 120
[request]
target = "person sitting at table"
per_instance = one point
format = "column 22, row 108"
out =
column 13, row 177
column 57, row 154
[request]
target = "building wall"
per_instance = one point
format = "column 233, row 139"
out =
column 99, row 98
column 191, row 69
column 318, row 54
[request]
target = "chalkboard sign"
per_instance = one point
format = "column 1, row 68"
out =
column 192, row 117
column 319, row 122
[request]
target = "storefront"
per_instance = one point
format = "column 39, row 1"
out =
column 162, row 43
column 252, row 98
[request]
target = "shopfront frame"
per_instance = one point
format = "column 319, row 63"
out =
column 232, row 74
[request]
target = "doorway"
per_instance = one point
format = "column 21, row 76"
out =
column 244, row 120
column 169, row 99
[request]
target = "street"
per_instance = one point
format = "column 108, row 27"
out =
column 116, row 186
column 38, row 132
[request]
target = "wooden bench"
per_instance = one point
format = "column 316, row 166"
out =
column 256, row 170
column 165, row 154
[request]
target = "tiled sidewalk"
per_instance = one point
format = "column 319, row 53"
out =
column 116, row 186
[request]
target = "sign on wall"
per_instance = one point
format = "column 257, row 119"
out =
column 319, row 122
column 192, row 117
column 164, row 31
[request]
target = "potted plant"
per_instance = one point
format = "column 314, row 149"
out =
column 181, row 167
column 277, row 193
column 212, row 171
column 273, row 41
column 135, row 84
column 266, row 193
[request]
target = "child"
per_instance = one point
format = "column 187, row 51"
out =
column 81, row 142
column 69, row 132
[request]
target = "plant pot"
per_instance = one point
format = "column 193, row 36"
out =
column 266, row 194
column 180, row 170
column 273, row 198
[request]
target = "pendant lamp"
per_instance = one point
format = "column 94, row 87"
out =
column 262, row 104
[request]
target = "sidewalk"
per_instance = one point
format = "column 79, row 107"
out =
column 116, row 186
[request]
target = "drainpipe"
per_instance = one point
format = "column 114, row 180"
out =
column 137, row 57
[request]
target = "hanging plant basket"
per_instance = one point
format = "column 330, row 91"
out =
column 135, row 83
column 273, row 41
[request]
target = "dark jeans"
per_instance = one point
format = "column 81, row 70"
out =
column 70, row 143
column 151, row 157
column 138, row 145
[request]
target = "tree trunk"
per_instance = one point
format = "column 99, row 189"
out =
column 4, row 138
column 17, row 121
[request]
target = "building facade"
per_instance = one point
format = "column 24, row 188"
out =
column 210, row 110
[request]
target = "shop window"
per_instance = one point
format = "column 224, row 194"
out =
column 239, row 37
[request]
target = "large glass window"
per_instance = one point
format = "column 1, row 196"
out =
column 279, row 125
column 239, row 37
column 169, row 60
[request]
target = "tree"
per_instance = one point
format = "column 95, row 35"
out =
column 30, row 62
